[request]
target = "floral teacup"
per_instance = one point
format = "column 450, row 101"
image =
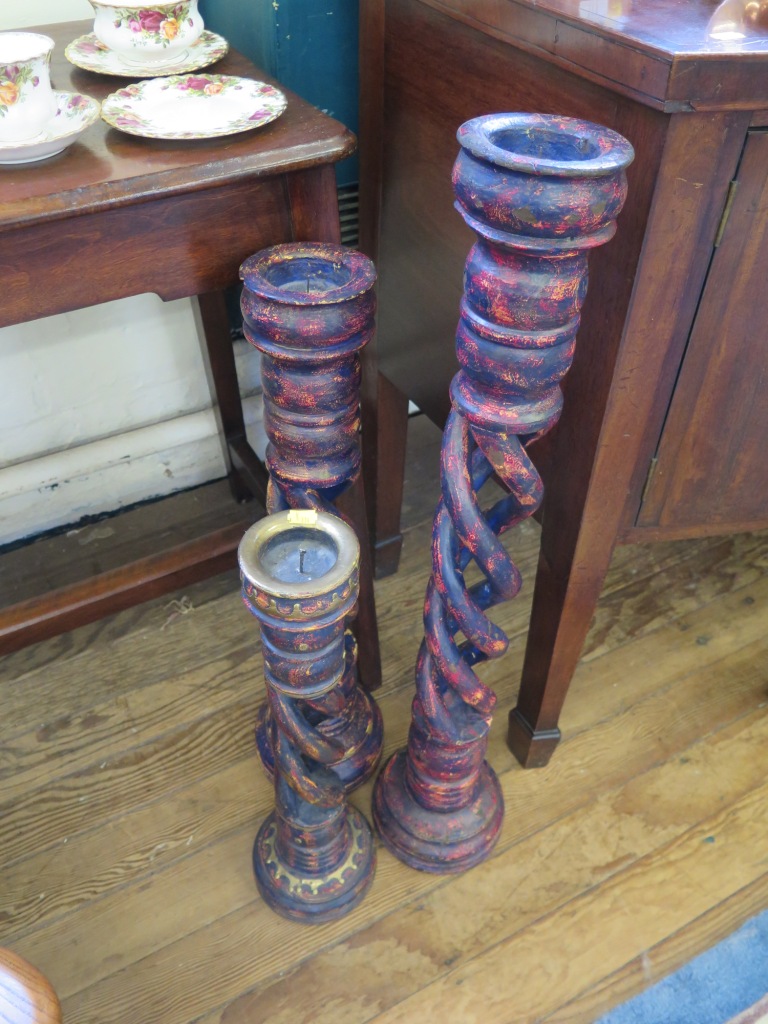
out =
column 27, row 102
column 146, row 32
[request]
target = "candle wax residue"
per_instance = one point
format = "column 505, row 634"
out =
column 299, row 555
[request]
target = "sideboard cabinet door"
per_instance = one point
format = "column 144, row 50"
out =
column 712, row 458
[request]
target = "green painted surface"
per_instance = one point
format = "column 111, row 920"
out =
column 308, row 45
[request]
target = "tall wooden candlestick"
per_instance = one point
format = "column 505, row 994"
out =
column 314, row 855
column 309, row 309
column 540, row 192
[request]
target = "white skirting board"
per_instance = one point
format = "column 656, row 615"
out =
column 61, row 488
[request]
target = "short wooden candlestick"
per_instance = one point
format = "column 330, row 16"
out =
column 539, row 191
column 309, row 309
column 314, row 856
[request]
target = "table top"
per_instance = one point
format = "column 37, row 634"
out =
column 107, row 168
column 675, row 55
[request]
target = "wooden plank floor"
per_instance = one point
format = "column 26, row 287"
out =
column 131, row 794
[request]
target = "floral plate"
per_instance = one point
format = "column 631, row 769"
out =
column 74, row 113
column 192, row 106
column 91, row 55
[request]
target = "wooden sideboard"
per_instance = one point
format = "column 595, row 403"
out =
column 665, row 413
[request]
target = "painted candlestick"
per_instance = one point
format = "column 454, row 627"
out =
column 309, row 309
column 314, row 856
column 539, row 191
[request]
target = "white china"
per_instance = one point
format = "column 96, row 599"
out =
column 91, row 55
column 27, row 102
column 147, row 33
column 192, row 106
column 73, row 114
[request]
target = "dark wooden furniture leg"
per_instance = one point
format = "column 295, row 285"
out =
column 247, row 475
column 388, row 474
column 587, row 481
column 365, row 627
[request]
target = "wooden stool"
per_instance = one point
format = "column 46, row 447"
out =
column 26, row 997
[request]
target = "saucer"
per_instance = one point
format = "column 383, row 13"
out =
column 91, row 55
column 74, row 113
column 192, row 106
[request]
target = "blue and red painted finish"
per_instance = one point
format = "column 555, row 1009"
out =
column 309, row 309
column 314, row 855
column 539, row 191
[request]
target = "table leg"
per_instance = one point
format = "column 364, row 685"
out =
column 365, row 627
column 566, row 592
column 247, row 475
column 385, row 467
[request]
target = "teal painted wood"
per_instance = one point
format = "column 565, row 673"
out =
column 308, row 45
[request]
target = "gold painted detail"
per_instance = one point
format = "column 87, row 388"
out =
column 302, row 516
column 298, row 886
column 295, row 611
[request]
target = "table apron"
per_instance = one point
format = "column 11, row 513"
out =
column 174, row 246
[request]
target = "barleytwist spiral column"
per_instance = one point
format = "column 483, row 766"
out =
column 313, row 856
column 309, row 309
column 539, row 191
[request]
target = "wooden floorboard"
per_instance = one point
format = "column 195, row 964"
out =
column 130, row 794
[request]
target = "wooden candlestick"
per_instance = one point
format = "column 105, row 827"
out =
column 309, row 309
column 539, row 191
column 314, row 856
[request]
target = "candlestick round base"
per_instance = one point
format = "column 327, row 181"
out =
column 315, row 899
column 360, row 732
column 441, row 842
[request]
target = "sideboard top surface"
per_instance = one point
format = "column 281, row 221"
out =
column 674, row 55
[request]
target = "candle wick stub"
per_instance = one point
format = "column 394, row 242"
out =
column 302, row 553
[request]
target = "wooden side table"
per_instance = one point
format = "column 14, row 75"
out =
column 664, row 415
column 116, row 215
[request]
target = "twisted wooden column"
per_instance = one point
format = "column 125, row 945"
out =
column 313, row 857
column 309, row 309
column 540, row 192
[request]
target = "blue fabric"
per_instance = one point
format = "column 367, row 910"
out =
column 711, row 989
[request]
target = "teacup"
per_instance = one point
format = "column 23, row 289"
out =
column 147, row 33
column 27, row 102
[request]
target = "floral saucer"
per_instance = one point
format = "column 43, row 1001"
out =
column 91, row 55
column 74, row 113
column 192, row 106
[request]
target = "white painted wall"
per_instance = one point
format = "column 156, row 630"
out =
column 105, row 406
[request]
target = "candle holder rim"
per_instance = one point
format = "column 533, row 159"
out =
column 362, row 273
column 476, row 136
column 258, row 536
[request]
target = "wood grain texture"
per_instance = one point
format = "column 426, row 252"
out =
column 26, row 997
column 127, row 875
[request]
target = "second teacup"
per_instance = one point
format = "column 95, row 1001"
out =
column 27, row 102
column 145, row 32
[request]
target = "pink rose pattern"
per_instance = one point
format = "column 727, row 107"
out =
column 163, row 25
column 123, row 116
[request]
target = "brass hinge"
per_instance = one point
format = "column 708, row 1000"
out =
column 649, row 478
column 726, row 212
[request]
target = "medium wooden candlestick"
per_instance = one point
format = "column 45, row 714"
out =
column 309, row 309
column 314, row 856
column 540, row 192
